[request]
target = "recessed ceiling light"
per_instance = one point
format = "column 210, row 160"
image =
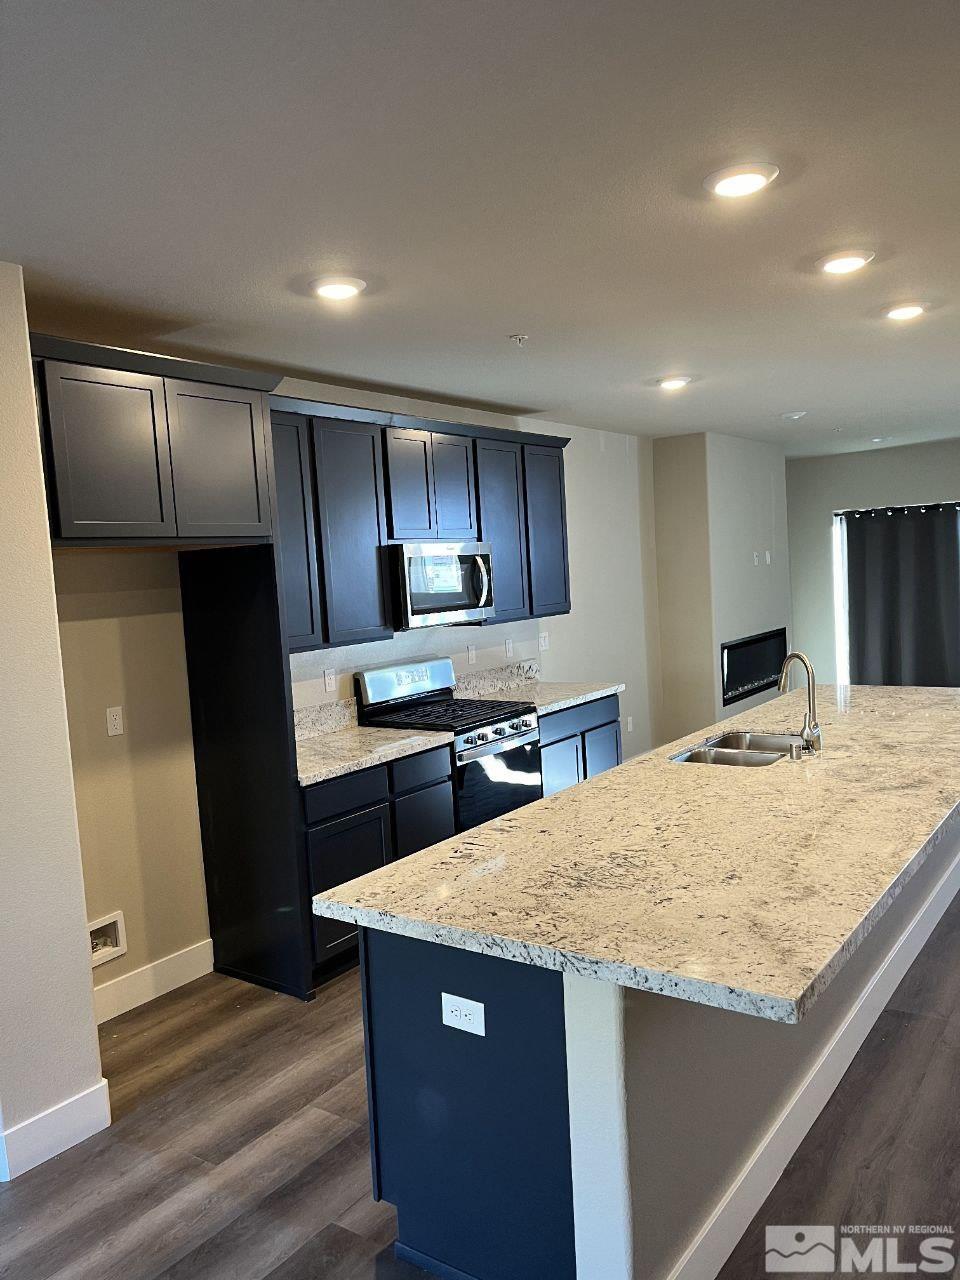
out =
column 674, row 383
column 338, row 288
column 908, row 311
column 741, row 179
column 877, row 439
column 841, row 264
column 795, row 416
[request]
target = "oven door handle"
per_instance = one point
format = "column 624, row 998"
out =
column 484, row 582
column 498, row 746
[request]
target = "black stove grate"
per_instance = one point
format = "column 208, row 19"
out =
column 449, row 713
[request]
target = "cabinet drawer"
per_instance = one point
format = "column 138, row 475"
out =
column 423, row 818
column 421, row 770
column 560, row 724
column 343, row 795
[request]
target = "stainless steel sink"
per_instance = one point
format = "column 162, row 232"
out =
column 748, row 750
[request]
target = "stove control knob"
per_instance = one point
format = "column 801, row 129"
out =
column 469, row 740
column 527, row 722
column 515, row 725
column 483, row 737
column 499, row 731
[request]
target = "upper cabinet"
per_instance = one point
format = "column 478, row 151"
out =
column 296, row 529
column 350, row 508
column 110, row 453
column 219, row 469
column 546, row 530
column 503, row 524
column 431, row 486
column 137, row 456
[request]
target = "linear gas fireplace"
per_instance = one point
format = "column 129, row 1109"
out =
column 750, row 665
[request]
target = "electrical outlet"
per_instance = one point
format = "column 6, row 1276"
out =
column 330, row 680
column 629, row 724
column 543, row 641
column 471, row 655
column 756, row 558
column 508, row 648
column 767, row 554
column 114, row 722
column 463, row 1014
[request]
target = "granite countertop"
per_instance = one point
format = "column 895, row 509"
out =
column 330, row 755
column 745, row 889
column 549, row 695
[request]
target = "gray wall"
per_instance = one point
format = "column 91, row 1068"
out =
column 816, row 488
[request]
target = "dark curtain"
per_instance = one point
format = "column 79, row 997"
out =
column 903, row 585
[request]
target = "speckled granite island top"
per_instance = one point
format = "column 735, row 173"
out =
column 742, row 888
column 330, row 755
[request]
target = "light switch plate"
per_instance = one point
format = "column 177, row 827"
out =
column 114, row 722
column 508, row 648
column 544, row 641
column 463, row 1014
column 471, row 655
column 330, row 680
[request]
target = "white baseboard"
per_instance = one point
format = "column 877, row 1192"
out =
column 722, row 1230
column 110, row 999
column 29, row 1143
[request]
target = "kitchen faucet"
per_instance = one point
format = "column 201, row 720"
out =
column 810, row 733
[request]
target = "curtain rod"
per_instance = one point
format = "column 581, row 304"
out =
column 896, row 508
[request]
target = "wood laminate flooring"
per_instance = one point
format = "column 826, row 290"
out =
column 239, row 1148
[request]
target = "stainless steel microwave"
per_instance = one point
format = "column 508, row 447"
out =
column 444, row 582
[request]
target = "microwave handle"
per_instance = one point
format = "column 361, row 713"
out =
column 484, row 582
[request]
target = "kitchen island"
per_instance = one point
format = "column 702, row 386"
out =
column 580, row 1124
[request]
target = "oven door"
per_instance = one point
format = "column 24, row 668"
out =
column 497, row 778
column 444, row 582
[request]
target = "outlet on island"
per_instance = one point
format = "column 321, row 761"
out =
column 463, row 1014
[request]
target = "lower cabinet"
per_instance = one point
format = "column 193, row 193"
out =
column 339, row 851
column 562, row 764
column 579, row 743
column 362, row 820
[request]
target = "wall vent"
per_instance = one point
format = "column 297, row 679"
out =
column 108, row 938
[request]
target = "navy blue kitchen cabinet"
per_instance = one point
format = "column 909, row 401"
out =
column 503, row 524
column 546, row 530
column 360, row 821
column 296, row 530
column 352, row 527
column 431, row 486
column 132, row 455
column 579, row 743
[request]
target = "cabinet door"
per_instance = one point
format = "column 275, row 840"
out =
column 410, row 485
column 423, row 818
column 219, row 472
column 350, row 506
column 295, row 529
column 546, row 530
column 455, row 486
column 562, row 764
column 601, row 748
column 503, row 525
column 340, row 851
column 111, row 453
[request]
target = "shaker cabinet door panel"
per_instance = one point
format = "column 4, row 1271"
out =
column 295, row 529
column 602, row 749
column 219, row 471
column 340, row 851
column 503, row 525
column 110, row 451
column 423, row 818
column 410, row 484
column 454, row 480
column 350, row 505
column 546, row 530
column 562, row 764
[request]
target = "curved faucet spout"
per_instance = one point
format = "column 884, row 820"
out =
column 810, row 733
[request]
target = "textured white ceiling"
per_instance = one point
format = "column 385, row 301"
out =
column 173, row 173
